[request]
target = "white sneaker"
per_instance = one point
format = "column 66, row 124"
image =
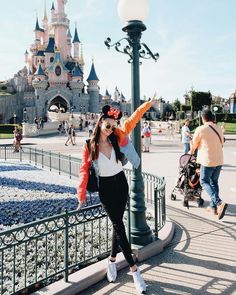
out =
column 139, row 282
column 111, row 271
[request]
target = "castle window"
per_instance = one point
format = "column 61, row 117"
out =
column 51, row 59
column 58, row 70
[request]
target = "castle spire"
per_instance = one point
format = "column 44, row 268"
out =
column 45, row 18
column 37, row 27
column 53, row 7
column 76, row 38
column 92, row 76
column 39, row 71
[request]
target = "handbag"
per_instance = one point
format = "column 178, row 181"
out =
column 92, row 185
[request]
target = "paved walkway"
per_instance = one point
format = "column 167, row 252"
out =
column 201, row 259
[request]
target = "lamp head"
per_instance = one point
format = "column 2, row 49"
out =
column 133, row 10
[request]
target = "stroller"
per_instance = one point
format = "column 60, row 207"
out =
column 188, row 183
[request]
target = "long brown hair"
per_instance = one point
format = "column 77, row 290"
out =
column 94, row 141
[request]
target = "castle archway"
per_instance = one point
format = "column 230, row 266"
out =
column 58, row 104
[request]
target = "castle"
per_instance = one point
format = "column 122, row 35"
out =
column 56, row 74
column 53, row 76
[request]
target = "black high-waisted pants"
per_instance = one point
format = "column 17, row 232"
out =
column 113, row 192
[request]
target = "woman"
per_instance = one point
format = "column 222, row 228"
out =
column 104, row 150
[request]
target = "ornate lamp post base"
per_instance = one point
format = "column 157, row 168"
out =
column 140, row 232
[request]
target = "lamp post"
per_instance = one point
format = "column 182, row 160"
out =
column 133, row 12
column 14, row 118
column 215, row 109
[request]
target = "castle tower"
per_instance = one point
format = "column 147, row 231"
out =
column 81, row 58
column 60, row 25
column 55, row 72
column 76, row 43
column 49, row 51
column 93, row 90
column 38, row 33
column 69, row 45
column 116, row 96
column 107, row 95
column 45, row 27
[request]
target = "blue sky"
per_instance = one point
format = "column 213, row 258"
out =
column 196, row 40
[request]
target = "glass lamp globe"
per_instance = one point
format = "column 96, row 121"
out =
column 129, row 10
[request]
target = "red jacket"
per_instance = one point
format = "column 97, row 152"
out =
column 122, row 133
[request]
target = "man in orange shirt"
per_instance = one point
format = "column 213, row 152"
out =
column 209, row 139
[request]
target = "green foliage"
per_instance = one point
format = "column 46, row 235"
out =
column 181, row 115
column 185, row 108
column 199, row 99
column 225, row 117
column 168, row 109
column 8, row 128
column 4, row 87
column 176, row 105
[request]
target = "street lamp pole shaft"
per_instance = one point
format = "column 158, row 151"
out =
column 140, row 231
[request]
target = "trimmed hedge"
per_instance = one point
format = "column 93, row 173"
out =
column 8, row 128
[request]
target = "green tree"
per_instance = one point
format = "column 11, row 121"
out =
column 200, row 99
column 176, row 104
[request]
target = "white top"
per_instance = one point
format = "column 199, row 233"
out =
column 108, row 167
column 185, row 137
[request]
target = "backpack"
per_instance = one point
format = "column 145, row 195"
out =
column 148, row 133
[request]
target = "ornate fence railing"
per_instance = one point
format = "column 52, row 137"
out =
column 45, row 250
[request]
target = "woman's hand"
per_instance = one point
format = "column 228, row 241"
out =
column 153, row 100
column 80, row 205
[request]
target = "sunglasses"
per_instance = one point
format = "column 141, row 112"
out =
column 109, row 126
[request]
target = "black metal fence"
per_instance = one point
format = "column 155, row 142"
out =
column 45, row 250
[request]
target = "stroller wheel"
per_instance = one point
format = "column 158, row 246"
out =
column 173, row 197
column 200, row 202
column 185, row 203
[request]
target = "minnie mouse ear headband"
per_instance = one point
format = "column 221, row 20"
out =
column 110, row 112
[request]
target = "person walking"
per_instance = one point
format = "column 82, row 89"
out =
column 66, row 126
column 90, row 129
column 186, row 136
column 18, row 138
column 71, row 135
column 209, row 140
column 146, row 132
column 105, row 152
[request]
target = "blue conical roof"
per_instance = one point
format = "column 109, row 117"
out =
column 39, row 71
column 92, row 76
column 40, row 53
column 53, row 7
column 76, row 72
column 37, row 27
column 51, row 44
column 107, row 93
column 76, row 38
